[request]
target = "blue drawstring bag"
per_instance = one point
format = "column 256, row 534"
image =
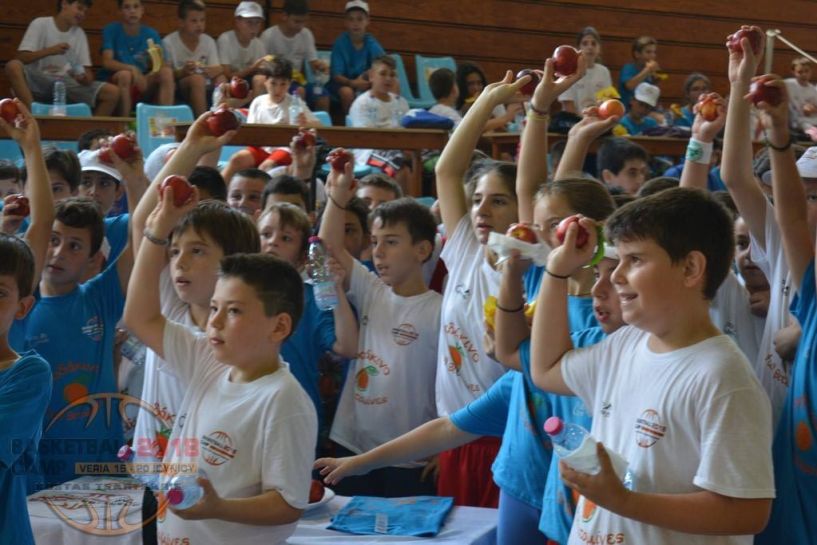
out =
column 421, row 516
column 423, row 119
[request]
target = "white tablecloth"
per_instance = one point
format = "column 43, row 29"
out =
column 464, row 526
column 104, row 511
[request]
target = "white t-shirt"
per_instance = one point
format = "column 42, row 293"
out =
column 464, row 371
column 206, row 51
column 369, row 111
column 236, row 56
column 249, row 438
column 799, row 96
column 446, row 111
column 389, row 387
column 264, row 110
column 731, row 313
column 297, row 49
column 161, row 390
column 583, row 92
column 771, row 370
column 42, row 33
column 691, row 419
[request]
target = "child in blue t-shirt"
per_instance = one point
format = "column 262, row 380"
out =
column 352, row 55
column 642, row 104
column 644, row 69
column 126, row 61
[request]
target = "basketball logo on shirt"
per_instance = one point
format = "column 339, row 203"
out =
column 94, row 329
column 404, row 334
column 648, row 429
column 217, row 448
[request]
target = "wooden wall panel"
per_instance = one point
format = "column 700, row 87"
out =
column 500, row 34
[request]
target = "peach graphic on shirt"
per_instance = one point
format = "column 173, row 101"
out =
column 74, row 391
column 802, row 436
column 362, row 377
column 161, row 442
column 456, row 356
column 588, row 509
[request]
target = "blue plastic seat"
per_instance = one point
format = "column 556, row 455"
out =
column 405, row 87
column 425, row 67
column 153, row 124
column 79, row 109
column 323, row 117
column 10, row 151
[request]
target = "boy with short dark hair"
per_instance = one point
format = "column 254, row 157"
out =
column 389, row 388
column 209, row 181
column 644, row 101
column 10, row 182
column 352, row 55
column 56, row 48
column 443, row 85
column 376, row 188
column 644, row 69
column 193, row 55
column 64, row 171
column 246, row 189
column 285, row 188
column 675, row 249
column 622, row 165
column 127, row 63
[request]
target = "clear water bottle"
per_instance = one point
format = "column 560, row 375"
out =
column 58, row 107
column 184, row 491
column 134, row 350
column 567, row 438
column 323, row 284
column 295, row 108
column 371, row 115
column 142, row 469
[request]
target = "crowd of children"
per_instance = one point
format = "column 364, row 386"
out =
column 684, row 343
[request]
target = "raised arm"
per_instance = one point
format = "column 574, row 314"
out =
column 699, row 149
column 143, row 311
column 532, row 171
column 511, row 327
column 736, row 165
column 38, row 186
column 339, row 190
column 550, row 335
column 789, row 194
column 429, row 439
column 456, row 155
column 581, row 135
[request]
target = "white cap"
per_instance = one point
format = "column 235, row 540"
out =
column 647, row 93
column 89, row 160
column 357, row 4
column 249, row 10
column 807, row 164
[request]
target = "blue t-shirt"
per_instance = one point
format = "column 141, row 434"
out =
column 116, row 231
column 687, row 118
column 628, row 72
column 794, row 511
column 557, row 518
column 488, row 414
column 352, row 62
column 25, row 389
column 75, row 334
column 314, row 335
column 714, row 182
column 131, row 50
column 634, row 128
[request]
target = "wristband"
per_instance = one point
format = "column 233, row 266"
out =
column 784, row 147
column 155, row 240
column 511, row 310
column 699, row 152
column 329, row 196
column 534, row 114
column 559, row 276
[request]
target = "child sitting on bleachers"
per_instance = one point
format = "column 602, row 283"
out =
column 56, row 48
column 622, row 165
column 352, row 55
column 644, row 101
column 10, row 182
column 443, row 85
column 193, row 56
column 695, row 85
column 584, row 93
column 291, row 40
column 126, row 61
column 240, row 51
column 644, row 68
column 802, row 98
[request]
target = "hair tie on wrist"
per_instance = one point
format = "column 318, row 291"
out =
column 329, row 196
column 511, row 310
column 559, row 276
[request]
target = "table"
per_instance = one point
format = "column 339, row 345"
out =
column 413, row 140
column 71, row 128
column 108, row 511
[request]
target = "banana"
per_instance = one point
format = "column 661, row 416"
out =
column 156, row 58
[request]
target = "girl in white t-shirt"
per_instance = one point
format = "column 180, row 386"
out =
column 464, row 370
column 584, row 93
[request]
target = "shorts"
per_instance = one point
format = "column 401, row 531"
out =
column 387, row 160
column 465, row 473
column 41, row 86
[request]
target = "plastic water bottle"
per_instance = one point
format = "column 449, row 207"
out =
column 59, row 98
column 144, row 473
column 371, row 115
column 295, row 108
column 567, row 438
column 323, row 284
column 183, row 491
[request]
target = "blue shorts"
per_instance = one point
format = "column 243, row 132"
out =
column 518, row 522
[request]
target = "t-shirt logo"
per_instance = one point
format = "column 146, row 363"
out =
column 362, row 377
column 217, row 448
column 648, row 428
column 606, row 408
column 404, row 334
column 463, row 291
column 94, row 328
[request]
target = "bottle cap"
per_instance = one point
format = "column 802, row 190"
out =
column 314, row 238
column 125, row 453
column 554, row 425
column 175, row 496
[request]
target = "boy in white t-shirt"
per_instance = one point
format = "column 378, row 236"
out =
column 802, row 98
column 240, row 51
column 56, row 48
column 380, row 108
column 291, row 40
column 443, row 85
column 248, row 424
column 389, row 388
column 670, row 393
column 193, row 56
